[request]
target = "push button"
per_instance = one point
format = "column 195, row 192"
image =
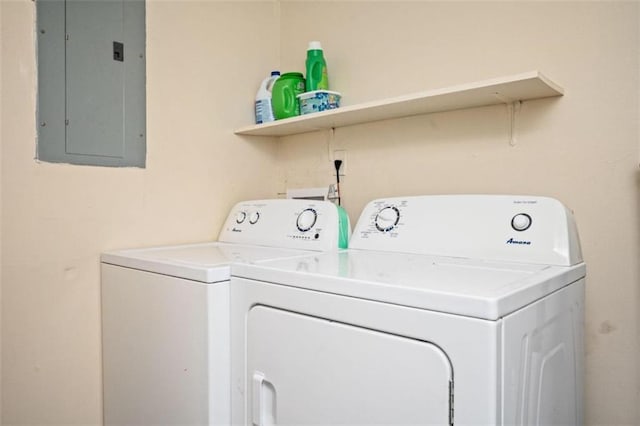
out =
column 521, row 222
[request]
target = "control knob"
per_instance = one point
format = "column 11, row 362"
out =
column 306, row 219
column 253, row 218
column 387, row 219
column 240, row 217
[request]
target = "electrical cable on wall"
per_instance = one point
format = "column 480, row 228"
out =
column 337, row 164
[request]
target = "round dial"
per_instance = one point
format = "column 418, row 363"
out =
column 521, row 222
column 240, row 217
column 387, row 219
column 306, row 219
column 253, row 218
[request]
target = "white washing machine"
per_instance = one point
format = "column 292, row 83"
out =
column 445, row 310
column 165, row 311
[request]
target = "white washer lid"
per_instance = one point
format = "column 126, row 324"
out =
column 469, row 287
column 205, row 262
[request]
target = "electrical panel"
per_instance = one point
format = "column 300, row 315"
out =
column 91, row 82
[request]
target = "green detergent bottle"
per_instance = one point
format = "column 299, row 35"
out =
column 317, row 78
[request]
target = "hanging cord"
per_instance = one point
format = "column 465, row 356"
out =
column 337, row 164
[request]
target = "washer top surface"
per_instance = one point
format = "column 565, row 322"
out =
column 254, row 231
column 469, row 287
column 481, row 256
column 204, row 262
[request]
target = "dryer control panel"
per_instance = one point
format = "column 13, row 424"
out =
column 285, row 223
column 494, row 227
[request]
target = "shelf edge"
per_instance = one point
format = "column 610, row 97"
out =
column 305, row 124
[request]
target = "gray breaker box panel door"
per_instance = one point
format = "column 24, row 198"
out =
column 91, row 82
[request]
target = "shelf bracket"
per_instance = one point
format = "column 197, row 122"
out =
column 513, row 107
column 331, row 134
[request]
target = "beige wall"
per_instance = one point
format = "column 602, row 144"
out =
column 581, row 148
column 58, row 218
column 204, row 62
column 1, row 133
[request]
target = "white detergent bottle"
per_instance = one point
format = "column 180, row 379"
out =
column 264, row 112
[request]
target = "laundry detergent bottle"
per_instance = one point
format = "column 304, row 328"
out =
column 285, row 95
column 317, row 77
column 264, row 110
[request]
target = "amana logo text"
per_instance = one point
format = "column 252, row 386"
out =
column 512, row 241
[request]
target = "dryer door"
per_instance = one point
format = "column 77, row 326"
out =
column 305, row 370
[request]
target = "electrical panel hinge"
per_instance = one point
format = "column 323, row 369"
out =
column 451, row 403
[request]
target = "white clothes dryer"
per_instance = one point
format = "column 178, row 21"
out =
column 444, row 310
column 165, row 311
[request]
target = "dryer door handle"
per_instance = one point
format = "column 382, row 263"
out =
column 263, row 404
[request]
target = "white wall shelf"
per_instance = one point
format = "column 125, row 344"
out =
column 503, row 90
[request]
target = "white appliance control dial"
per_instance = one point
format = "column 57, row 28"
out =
column 306, row 219
column 240, row 217
column 521, row 222
column 387, row 218
column 253, row 217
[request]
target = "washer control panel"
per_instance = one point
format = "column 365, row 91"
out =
column 493, row 227
column 286, row 223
